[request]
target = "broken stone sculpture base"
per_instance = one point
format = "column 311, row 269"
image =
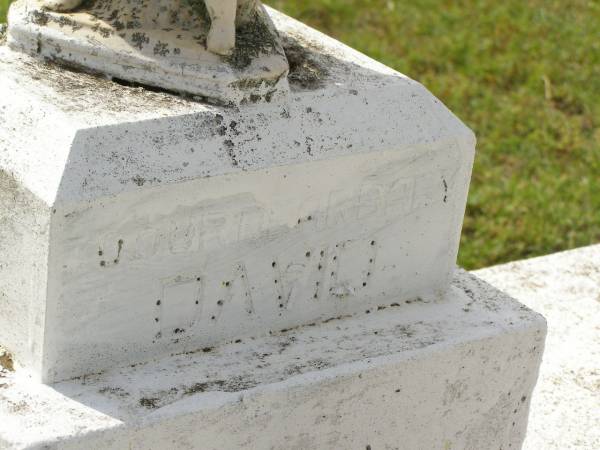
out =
column 418, row 376
column 155, row 43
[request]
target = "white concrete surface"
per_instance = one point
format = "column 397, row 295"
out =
column 450, row 375
column 565, row 288
column 138, row 224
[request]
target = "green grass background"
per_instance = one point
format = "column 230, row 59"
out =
column 3, row 9
column 525, row 76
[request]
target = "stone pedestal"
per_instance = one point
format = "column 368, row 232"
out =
column 139, row 224
column 454, row 375
column 273, row 275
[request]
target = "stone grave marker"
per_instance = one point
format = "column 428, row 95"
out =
column 266, row 260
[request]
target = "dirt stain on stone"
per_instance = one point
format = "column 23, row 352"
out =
column 6, row 360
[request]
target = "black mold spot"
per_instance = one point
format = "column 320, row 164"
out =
column 139, row 39
column 308, row 69
column 252, row 39
column 150, row 403
column 139, row 180
column 161, row 49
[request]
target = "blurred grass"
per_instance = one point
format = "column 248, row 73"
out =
column 525, row 76
column 3, row 10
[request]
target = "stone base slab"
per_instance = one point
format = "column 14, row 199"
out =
column 164, row 47
column 455, row 375
column 565, row 288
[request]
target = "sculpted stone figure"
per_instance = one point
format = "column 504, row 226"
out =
column 224, row 14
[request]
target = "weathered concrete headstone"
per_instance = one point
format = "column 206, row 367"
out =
column 169, row 267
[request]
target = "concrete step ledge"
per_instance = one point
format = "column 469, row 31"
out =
column 454, row 374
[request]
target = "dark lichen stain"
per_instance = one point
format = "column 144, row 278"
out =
column 149, row 402
column 2, row 33
column 40, row 18
column 235, row 384
column 6, row 361
column 103, row 31
column 139, row 180
column 161, row 49
column 229, row 146
column 308, row 66
column 117, row 391
column 253, row 38
column 139, row 39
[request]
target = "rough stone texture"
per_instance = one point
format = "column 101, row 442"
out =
column 158, row 225
column 156, row 43
column 565, row 288
column 453, row 375
column 24, row 242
